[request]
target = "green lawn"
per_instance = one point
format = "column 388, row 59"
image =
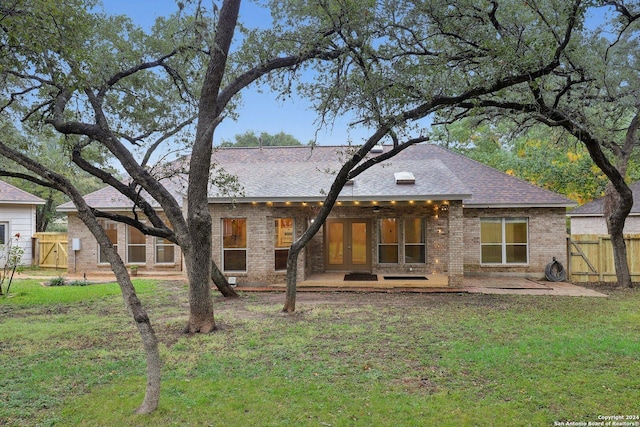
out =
column 71, row 356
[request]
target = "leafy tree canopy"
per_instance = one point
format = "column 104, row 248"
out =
column 249, row 139
column 547, row 157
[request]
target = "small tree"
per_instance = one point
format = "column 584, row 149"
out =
column 11, row 256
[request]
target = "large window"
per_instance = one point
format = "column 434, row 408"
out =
column 165, row 251
column 4, row 228
column 136, row 246
column 504, row 240
column 388, row 241
column 111, row 228
column 234, row 244
column 283, row 239
column 414, row 241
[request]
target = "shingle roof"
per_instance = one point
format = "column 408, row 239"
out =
column 300, row 172
column 108, row 198
column 13, row 195
column 305, row 174
column 596, row 208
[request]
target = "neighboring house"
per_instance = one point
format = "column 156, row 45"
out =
column 589, row 218
column 18, row 217
column 590, row 244
column 426, row 211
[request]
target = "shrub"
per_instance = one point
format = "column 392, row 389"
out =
column 57, row 281
column 78, row 283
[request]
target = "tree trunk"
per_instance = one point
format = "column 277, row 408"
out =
column 198, row 259
column 616, row 210
column 135, row 309
column 292, row 274
column 43, row 214
column 221, row 282
column 198, row 264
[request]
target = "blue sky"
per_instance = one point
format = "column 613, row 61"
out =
column 260, row 112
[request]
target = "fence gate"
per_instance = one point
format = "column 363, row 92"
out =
column 52, row 250
column 591, row 257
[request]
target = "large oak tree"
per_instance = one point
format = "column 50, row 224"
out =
column 593, row 96
column 406, row 61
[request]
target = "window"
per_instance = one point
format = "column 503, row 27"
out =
column 4, row 227
column 388, row 241
column 111, row 228
column 504, row 240
column 234, row 244
column 283, row 240
column 136, row 246
column 165, row 251
column 414, row 241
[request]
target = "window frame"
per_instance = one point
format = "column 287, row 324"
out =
column 389, row 245
column 423, row 244
column 130, row 245
column 282, row 244
column 166, row 244
column 104, row 223
column 234, row 249
column 4, row 233
column 503, row 244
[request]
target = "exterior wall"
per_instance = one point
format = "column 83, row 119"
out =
column 20, row 219
column 456, row 244
column 437, row 237
column 85, row 260
column 597, row 225
column 260, row 240
column 547, row 239
column 260, row 232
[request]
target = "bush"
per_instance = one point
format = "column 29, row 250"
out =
column 78, row 283
column 57, row 281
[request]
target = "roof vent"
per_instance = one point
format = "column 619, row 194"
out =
column 377, row 149
column 403, row 178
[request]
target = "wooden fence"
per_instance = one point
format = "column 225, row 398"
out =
column 51, row 250
column 591, row 258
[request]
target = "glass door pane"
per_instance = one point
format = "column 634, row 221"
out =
column 358, row 243
column 336, row 243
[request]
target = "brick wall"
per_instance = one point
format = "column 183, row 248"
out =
column 456, row 244
column 448, row 249
column 260, row 240
column 260, row 252
column 86, row 259
column 547, row 239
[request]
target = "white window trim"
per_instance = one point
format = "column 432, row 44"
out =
column 5, row 237
column 503, row 244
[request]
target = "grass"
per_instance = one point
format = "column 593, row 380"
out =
column 71, row 356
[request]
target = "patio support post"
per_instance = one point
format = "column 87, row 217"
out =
column 455, row 265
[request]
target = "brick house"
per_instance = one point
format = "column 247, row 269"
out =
column 589, row 218
column 426, row 212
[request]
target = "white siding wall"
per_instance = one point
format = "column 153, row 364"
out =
column 597, row 225
column 20, row 219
